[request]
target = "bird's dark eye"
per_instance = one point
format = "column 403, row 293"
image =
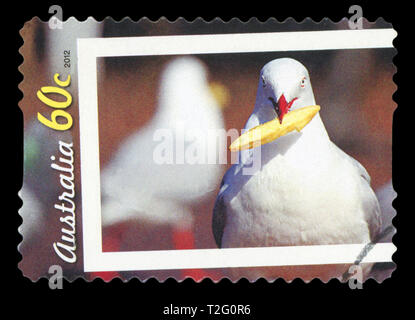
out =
column 303, row 82
column 263, row 82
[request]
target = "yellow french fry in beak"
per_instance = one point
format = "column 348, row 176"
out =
column 272, row 130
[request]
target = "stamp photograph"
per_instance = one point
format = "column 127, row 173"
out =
column 193, row 150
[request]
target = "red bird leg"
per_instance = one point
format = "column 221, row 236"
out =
column 183, row 238
column 111, row 242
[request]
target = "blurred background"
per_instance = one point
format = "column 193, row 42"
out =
column 353, row 87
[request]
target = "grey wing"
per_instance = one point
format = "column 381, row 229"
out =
column 370, row 202
column 372, row 213
column 219, row 217
column 386, row 195
column 219, row 210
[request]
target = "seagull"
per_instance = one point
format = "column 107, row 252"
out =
column 39, row 188
column 31, row 213
column 138, row 186
column 306, row 190
column 38, row 194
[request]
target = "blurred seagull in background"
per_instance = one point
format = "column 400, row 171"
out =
column 306, row 190
column 39, row 188
column 31, row 213
column 386, row 195
column 135, row 186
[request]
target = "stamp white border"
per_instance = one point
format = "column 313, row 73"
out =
column 91, row 48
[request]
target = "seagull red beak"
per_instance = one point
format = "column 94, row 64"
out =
column 282, row 106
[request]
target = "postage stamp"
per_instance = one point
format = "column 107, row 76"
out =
column 207, row 150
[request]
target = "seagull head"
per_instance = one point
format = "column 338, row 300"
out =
column 185, row 82
column 284, row 85
column 183, row 72
column 284, row 88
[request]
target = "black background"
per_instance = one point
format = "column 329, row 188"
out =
column 146, row 300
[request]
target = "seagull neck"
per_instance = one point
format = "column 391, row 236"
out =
column 316, row 128
column 314, row 139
